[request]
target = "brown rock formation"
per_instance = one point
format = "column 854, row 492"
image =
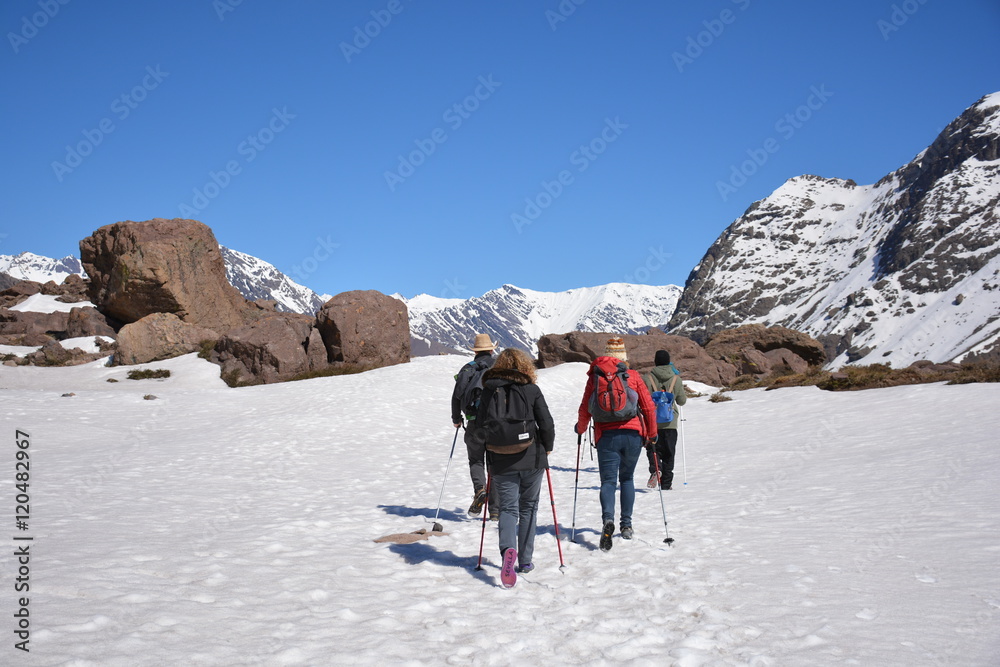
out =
column 159, row 336
column 161, row 266
column 693, row 362
column 365, row 328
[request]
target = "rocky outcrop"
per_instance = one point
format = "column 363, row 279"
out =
column 693, row 362
column 6, row 281
column 365, row 328
column 87, row 321
column 758, row 350
column 159, row 336
column 161, row 266
column 52, row 353
column 273, row 348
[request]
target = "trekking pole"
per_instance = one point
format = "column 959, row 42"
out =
column 663, row 508
column 438, row 527
column 555, row 521
column 576, row 484
column 486, row 512
column 684, row 451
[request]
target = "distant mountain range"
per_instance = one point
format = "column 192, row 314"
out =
column 516, row 317
column 905, row 269
column 29, row 266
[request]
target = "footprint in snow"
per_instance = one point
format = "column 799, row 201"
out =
column 867, row 614
column 926, row 579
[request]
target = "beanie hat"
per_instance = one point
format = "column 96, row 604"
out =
column 662, row 358
column 615, row 347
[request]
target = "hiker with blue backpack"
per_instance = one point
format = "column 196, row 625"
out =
column 624, row 416
column 465, row 403
column 517, row 430
column 667, row 389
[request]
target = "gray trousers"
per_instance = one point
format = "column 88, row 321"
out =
column 477, row 464
column 519, row 511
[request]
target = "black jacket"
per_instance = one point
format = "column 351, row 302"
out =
column 534, row 457
column 457, row 409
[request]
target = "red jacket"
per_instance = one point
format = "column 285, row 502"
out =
column 644, row 423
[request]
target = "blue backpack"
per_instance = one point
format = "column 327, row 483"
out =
column 664, row 401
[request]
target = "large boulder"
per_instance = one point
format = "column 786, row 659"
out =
column 759, row 350
column 689, row 358
column 159, row 336
column 161, row 266
column 272, row 348
column 365, row 328
column 87, row 321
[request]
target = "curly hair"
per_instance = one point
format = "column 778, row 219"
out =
column 514, row 359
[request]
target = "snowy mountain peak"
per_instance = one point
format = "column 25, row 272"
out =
column 904, row 269
column 257, row 279
column 29, row 266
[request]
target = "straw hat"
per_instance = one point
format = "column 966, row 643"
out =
column 615, row 347
column 483, row 343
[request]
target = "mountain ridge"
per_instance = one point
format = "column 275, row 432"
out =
column 903, row 269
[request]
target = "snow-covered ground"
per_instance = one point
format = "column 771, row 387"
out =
column 216, row 526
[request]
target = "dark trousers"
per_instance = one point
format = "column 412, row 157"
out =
column 476, row 449
column 666, row 448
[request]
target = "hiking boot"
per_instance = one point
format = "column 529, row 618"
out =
column 494, row 516
column 477, row 501
column 508, row 572
column 609, row 530
column 654, row 479
column 526, row 568
column 627, row 532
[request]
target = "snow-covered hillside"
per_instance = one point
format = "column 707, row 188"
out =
column 29, row 266
column 256, row 279
column 905, row 269
column 517, row 317
column 215, row 526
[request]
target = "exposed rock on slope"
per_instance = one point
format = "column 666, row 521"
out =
column 904, row 269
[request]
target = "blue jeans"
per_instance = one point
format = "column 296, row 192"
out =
column 617, row 454
column 518, row 493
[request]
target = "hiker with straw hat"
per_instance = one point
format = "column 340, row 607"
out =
column 464, row 400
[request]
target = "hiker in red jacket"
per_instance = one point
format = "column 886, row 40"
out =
column 619, row 443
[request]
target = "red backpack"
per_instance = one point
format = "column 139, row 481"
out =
column 612, row 399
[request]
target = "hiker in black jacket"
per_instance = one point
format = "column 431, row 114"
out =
column 483, row 347
column 518, row 476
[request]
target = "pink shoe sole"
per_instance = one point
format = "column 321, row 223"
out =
column 508, row 573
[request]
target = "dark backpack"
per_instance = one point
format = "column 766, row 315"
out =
column 471, row 387
column 612, row 399
column 505, row 421
column 664, row 401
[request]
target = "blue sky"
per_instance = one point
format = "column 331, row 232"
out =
column 450, row 147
